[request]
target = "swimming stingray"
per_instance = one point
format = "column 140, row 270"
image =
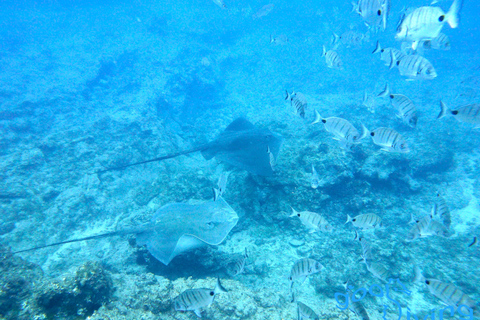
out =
column 176, row 228
column 241, row 145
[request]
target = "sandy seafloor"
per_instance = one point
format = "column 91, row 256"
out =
column 88, row 86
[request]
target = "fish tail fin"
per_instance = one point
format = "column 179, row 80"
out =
column 216, row 194
column 385, row 92
column 349, row 219
column 219, row 288
column 393, row 60
column 378, row 48
column 324, row 50
column 475, row 240
column 365, row 132
column 318, row 117
column 336, row 38
column 357, row 236
column 418, row 275
column 272, row 39
column 452, row 17
column 294, row 212
column 443, row 110
column 288, row 96
column 354, row 7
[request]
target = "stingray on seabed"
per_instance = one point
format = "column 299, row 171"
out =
column 241, row 144
column 176, row 228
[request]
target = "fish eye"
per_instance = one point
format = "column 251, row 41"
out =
column 379, row 12
column 324, row 120
column 382, row 51
column 372, row 133
column 317, row 265
column 441, row 18
column 212, row 293
column 392, row 96
column 402, row 146
column 398, row 62
column 298, row 214
column 455, row 112
column 427, row 281
column 354, row 220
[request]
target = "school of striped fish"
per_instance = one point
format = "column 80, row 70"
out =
column 419, row 29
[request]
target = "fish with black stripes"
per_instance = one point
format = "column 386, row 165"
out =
column 469, row 113
column 390, row 140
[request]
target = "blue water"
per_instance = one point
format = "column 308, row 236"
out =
column 89, row 85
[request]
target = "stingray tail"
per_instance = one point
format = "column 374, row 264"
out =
column 98, row 236
column 168, row 156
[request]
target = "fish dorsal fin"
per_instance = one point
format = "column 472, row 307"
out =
column 240, row 124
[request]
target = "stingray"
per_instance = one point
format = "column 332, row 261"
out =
column 176, row 228
column 241, row 144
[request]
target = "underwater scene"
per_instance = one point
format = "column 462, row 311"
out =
column 227, row 159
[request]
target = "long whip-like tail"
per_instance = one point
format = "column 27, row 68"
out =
column 168, row 156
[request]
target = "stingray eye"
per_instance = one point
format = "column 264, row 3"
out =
column 210, row 225
column 441, row 18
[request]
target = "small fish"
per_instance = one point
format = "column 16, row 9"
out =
column 390, row 140
column 386, row 54
column 280, row 40
column 356, row 306
column 369, row 102
column 271, row 158
column 333, row 59
column 350, row 38
column 312, row 220
column 298, row 101
column 378, row 270
column 265, row 10
column 366, row 249
column 448, row 293
column 222, row 186
column 406, row 109
column 315, row 180
column 237, row 266
column 365, row 221
column 414, row 67
column 304, row 312
column 427, row 227
column 341, row 129
column 220, row 3
column 469, row 113
column 425, row 23
column 197, row 299
column 303, row 268
column 373, row 12
column 441, row 211
column 441, row 42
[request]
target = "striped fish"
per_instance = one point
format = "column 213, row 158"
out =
column 237, row 266
column 365, row 221
column 298, row 101
column 425, row 23
column 390, row 140
column 441, row 211
column 197, row 299
column 374, row 12
column 356, row 306
column 271, row 158
column 315, row 179
column 342, row 130
column 386, row 54
column 469, row 113
column 378, row 270
column 332, row 58
column 427, row 227
column 304, row 312
column 312, row 220
column 222, row 186
column 448, row 293
column 441, row 42
column 303, row 268
column 366, row 249
column 414, row 67
column 406, row 109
